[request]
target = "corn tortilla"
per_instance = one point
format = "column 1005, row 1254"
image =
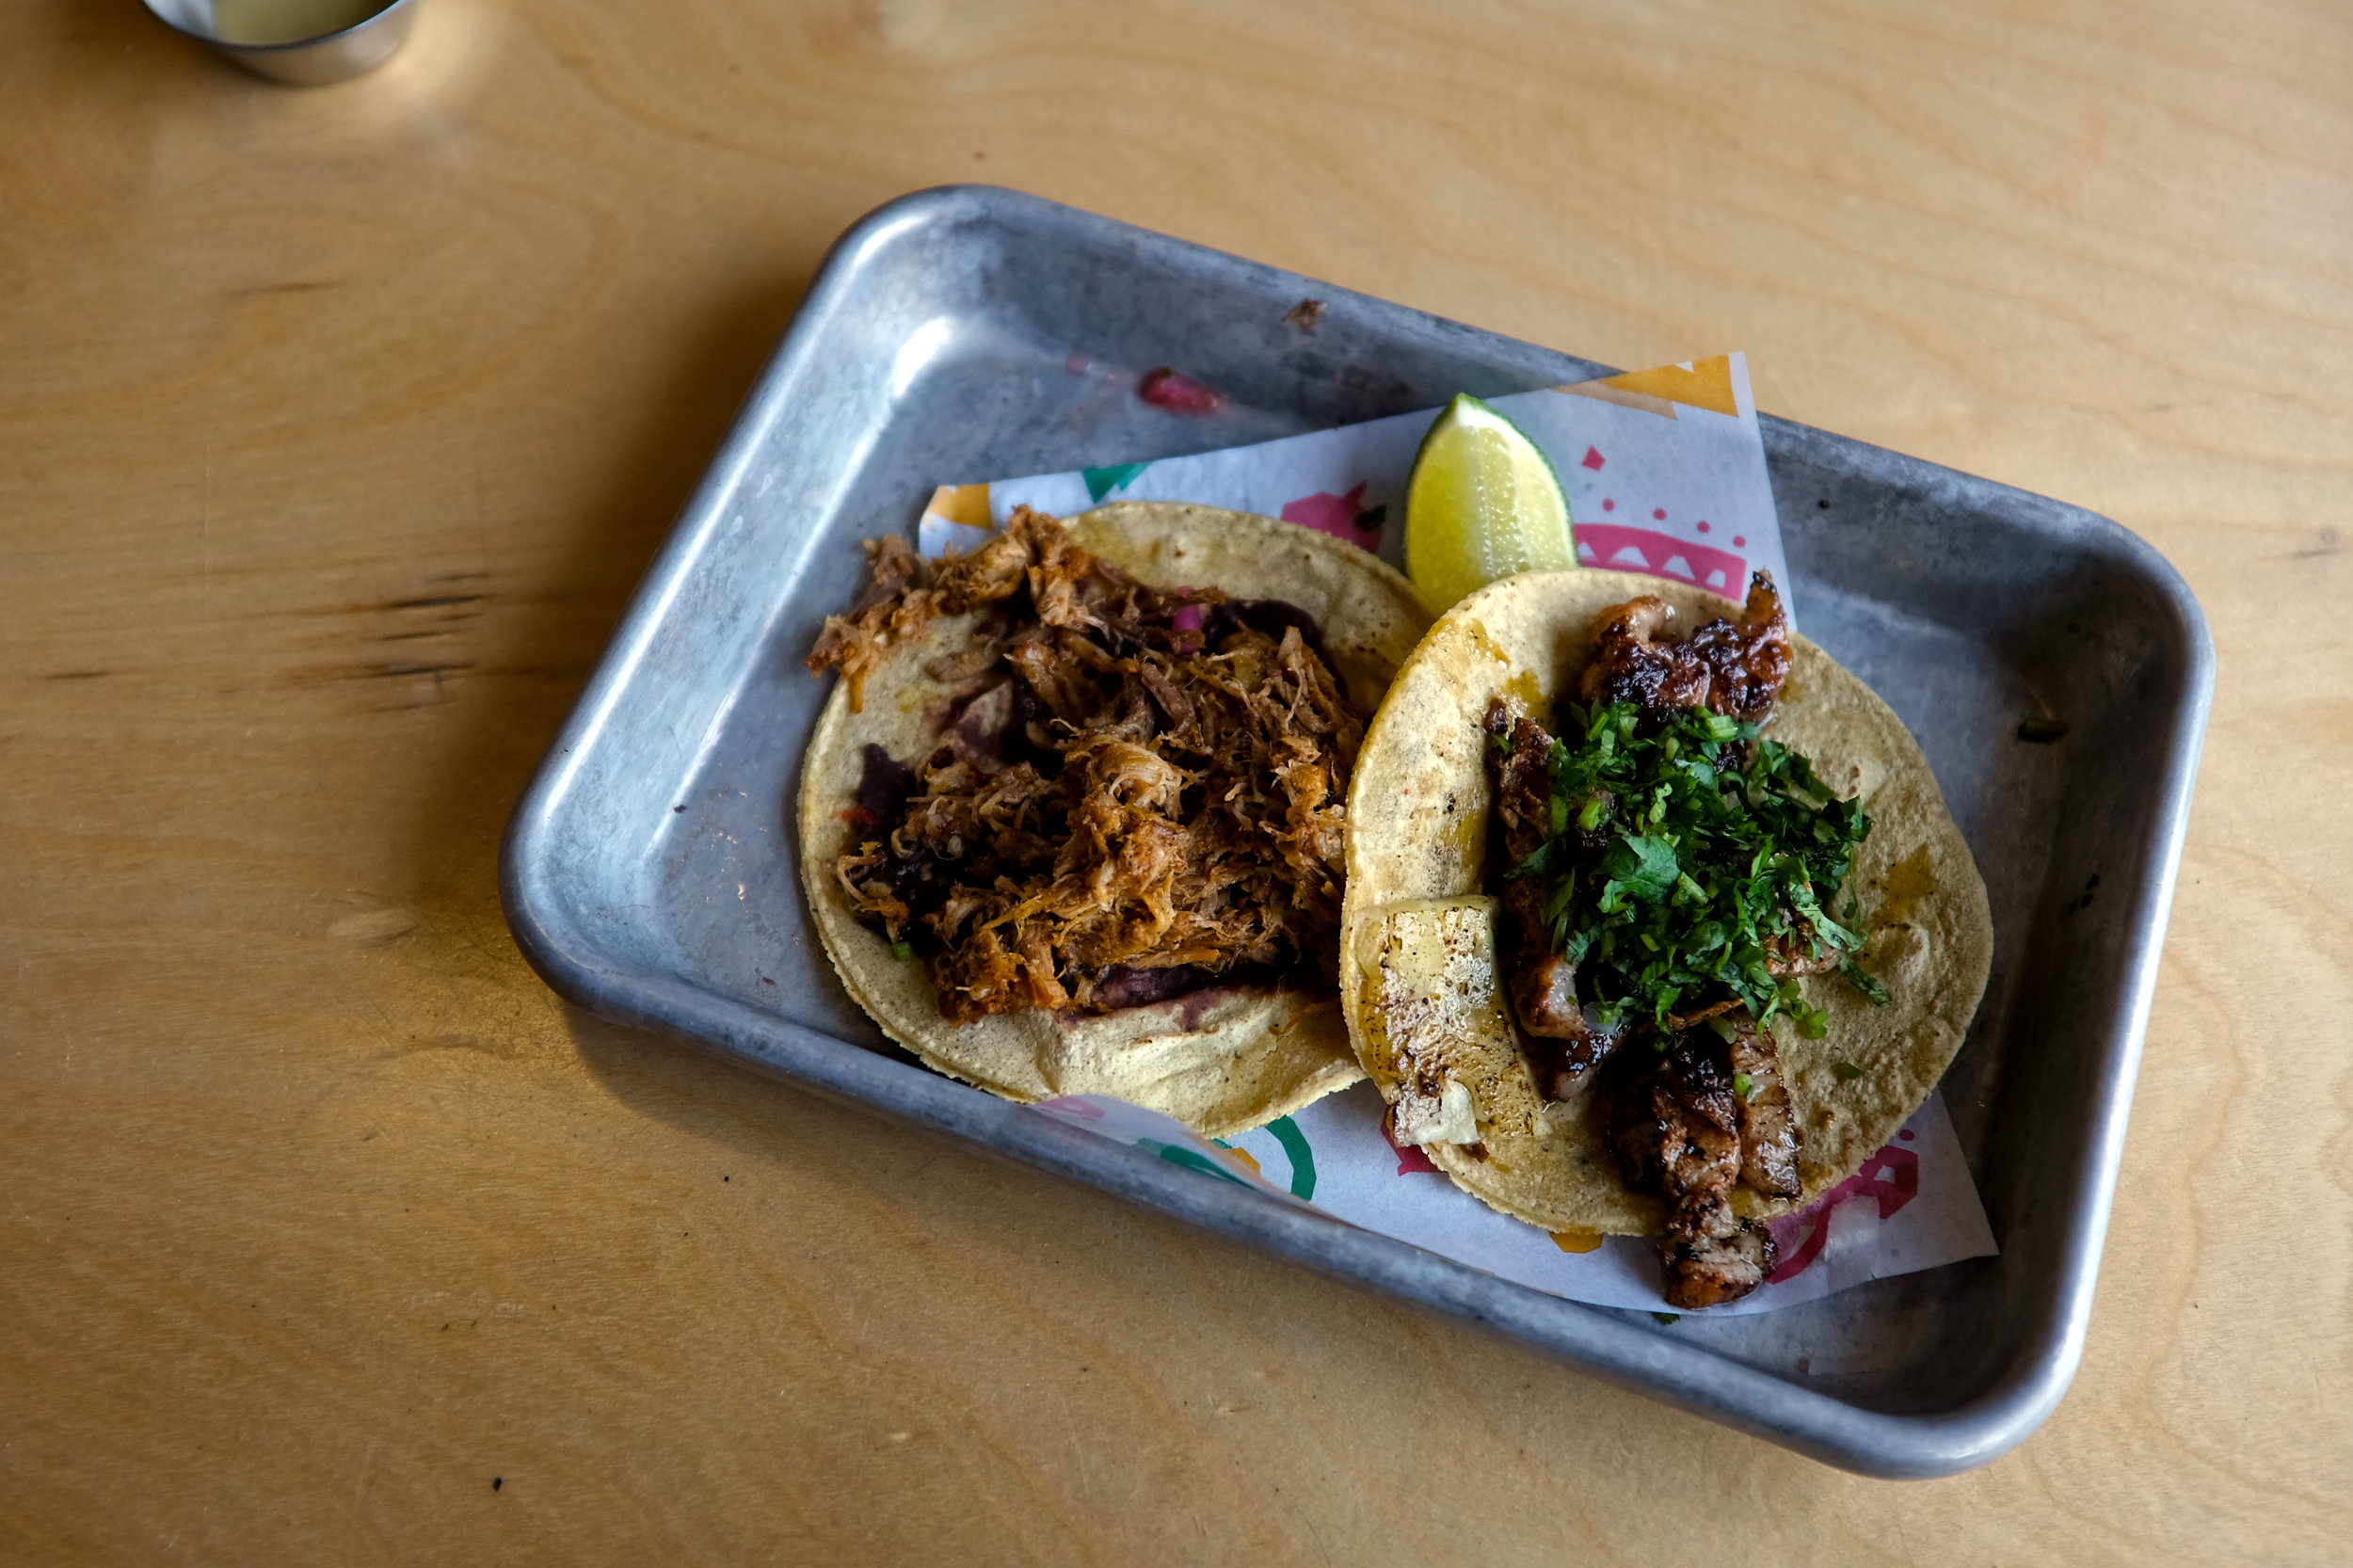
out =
column 1418, row 810
column 1221, row 1060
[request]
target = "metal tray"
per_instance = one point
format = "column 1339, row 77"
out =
column 971, row 332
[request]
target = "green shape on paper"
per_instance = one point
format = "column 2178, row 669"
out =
column 1191, row 1159
column 1102, row 481
column 1302, row 1158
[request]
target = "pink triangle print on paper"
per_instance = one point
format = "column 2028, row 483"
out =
column 1655, row 555
column 1341, row 516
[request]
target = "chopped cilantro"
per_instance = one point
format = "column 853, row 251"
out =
column 1643, row 868
column 1871, row 988
column 1675, row 858
column 1668, row 1317
column 1847, row 1072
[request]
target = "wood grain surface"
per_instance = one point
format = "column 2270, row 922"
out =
column 335, row 426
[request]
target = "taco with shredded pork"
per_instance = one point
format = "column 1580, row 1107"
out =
column 1073, row 821
column 1656, row 923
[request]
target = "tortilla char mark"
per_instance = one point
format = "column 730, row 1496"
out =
column 1119, row 811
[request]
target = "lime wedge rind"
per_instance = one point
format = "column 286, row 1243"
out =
column 1483, row 503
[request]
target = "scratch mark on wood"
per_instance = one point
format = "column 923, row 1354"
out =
column 367, row 1467
column 394, row 672
column 299, row 285
column 481, row 531
column 436, row 602
column 204, row 540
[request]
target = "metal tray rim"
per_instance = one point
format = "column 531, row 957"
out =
column 1692, row 1377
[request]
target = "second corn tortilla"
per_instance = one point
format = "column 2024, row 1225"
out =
column 1221, row 1060
column 1419, row 809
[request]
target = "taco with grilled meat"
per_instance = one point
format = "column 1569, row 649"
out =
column 1656, row 921
column 1073, row 819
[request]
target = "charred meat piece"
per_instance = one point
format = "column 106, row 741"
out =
column 1683, row 1132
column 1748, row 662
column 1116, row 813
column 1522, row 766
column 1634, row 662
column 1674, row 1122
column 1544, row 983
column 1541, row 982
column 1722, row 1260
column 1559, row 1046
column 1734, row 669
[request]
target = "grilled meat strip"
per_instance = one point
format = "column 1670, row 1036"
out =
column 1560, row 1047
column 1680, row 1131
column 1121, row 810
column 1683, row 1132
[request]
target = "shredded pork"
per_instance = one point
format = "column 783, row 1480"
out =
column 1122, row 809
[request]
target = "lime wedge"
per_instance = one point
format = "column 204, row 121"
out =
column 1482, row 504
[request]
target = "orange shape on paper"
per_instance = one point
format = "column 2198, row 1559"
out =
column 1706, row 385
column 1575, row 1240
column 964, row 503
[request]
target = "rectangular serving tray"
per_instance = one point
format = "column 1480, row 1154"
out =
column 971, row 332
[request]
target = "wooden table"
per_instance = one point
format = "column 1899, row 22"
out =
column 335, row 426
